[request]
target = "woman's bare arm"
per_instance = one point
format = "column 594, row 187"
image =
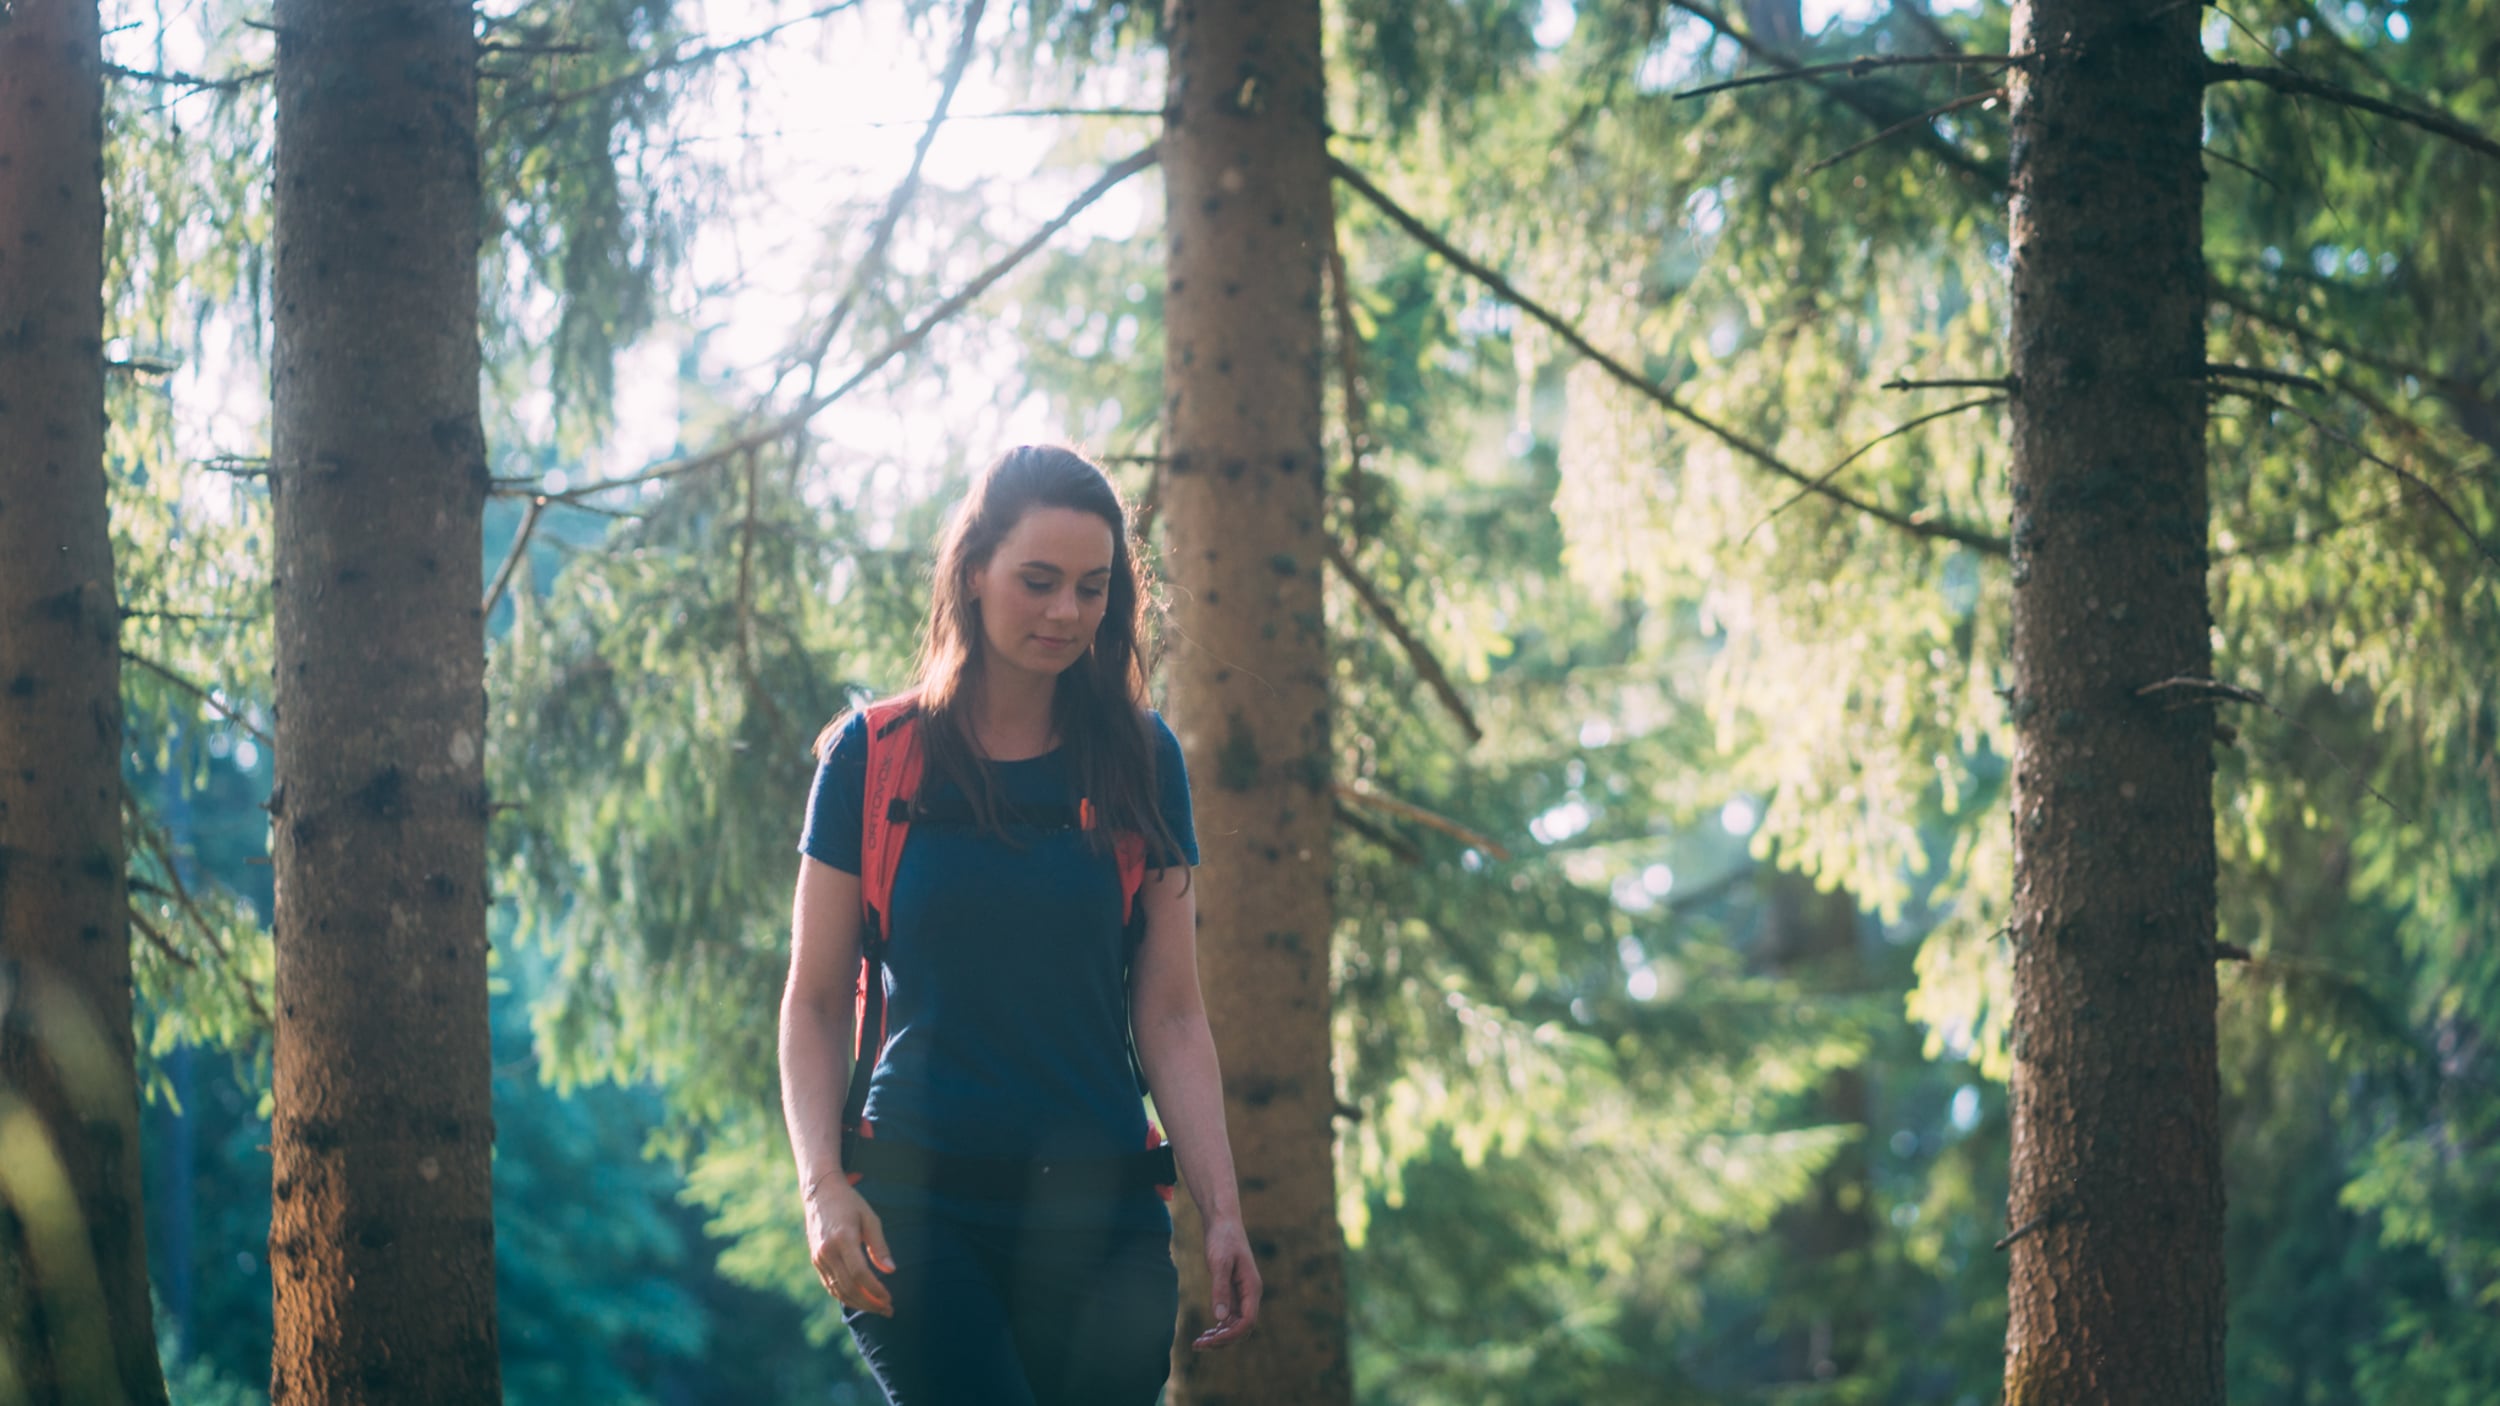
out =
column 844, row 1237
column 1174, row 1044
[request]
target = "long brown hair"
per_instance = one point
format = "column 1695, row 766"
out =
column 1098, row 706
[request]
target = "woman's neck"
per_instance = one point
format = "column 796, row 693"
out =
column 1011, row 713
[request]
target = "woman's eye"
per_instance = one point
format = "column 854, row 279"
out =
column 1039, row 588
column 1090, row 592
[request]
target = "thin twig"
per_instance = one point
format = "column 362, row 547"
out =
column 2283, row 80
column 1408, row 810
column 2007, row 384
column 156, row 939
column 2228, row 159
column 2041, row 1221
column 688, row 58
column 1032, row 112
column 1848, row 95
column 748, row 673
column 1930, row 115
column 2416, row 481
column 881, row 234
column 2214, row 688
column 2204, row 688
column 1349, row 375
column 1503, row 288
column 512, row 557
column 1417, row 652
column 158, row 844
column 1859, row 68
column 2259, row 373
column 797, row 420
column 192, row 81
column 181, row 684
column 1398, row 849
column 1860, row 452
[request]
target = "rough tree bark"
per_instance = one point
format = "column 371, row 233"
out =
column 2116, row 1210
column 74, row 1319
column 1247, row 199
column 381, row 1239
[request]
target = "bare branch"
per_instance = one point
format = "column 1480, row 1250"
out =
column 881, row 234
column 512, row 558
column 1408, row 810
column 2007, row 384
column 2260, row 374
column 1349, row 374
column 1895, row 432
column 1860, row 67
column 797, row 420
column 1503, row 288
column 689, row 58
column 1930, row 115
column 220, row 706
column 2283, row 80
column 1035, row 112
column 192, row 82
column 2206, row 691
column 1847, row 95
column 1417, row 652
column 1398, row 849
column 2416, row 481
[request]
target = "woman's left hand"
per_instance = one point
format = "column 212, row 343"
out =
column 1235, row 1277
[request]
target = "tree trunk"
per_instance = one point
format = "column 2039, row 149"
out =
column 1810, row 938
column 74, row 1318
column 381, row 1239
column 1246, row 191
column 2116, row 1211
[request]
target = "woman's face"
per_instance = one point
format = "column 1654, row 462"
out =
column 1044, row 590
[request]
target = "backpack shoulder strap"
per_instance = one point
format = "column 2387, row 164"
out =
column 895, row 763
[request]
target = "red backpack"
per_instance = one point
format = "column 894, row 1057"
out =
column 896, row 763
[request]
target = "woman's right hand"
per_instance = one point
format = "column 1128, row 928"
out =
column 846, row 1242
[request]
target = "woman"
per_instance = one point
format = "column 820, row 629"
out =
column 970, row 1269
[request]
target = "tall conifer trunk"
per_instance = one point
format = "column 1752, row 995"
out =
column 381, row 1240
column 74, row 1319
column 1246, row 190
column 2116, row 1211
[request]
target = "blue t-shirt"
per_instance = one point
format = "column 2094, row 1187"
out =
column 1005, row 985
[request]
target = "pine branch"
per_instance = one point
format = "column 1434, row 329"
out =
column 796, row 421
column 1408, row 810
column 1859, row 68
column 881, row 234
column 1417, row 652
column 2284, row 80
column 1503, row 288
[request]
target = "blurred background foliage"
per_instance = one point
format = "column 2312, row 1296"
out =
column 1669, row 997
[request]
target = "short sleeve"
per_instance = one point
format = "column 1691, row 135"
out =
column 834, row 803
column 1172, row 792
